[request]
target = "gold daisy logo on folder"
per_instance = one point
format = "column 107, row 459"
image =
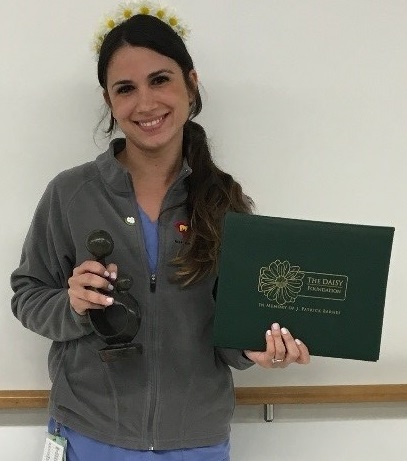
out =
column 283, row 283
column 280, row 282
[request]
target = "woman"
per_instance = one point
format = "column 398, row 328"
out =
column 160, row 196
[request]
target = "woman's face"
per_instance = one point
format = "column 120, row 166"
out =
column 149, row 98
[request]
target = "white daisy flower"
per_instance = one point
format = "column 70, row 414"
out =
column 128, row 9
column 145, row 7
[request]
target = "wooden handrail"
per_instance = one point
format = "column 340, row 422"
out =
column 321, row 394
column 24, row 399
column 17, row 399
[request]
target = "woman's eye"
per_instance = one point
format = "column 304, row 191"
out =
column 124, row 89
column 160, row 79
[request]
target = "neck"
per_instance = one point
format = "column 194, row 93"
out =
column 154, row 167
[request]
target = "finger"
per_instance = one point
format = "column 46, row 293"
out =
column 254, row 356
column 94, row 267
column 292, row 351
column 91, row 280
column 112, row 270
column 94, row 297
column 81, row 307
column 82, row 300
column 270, row 346
column 279, row 346
column 275, row 351
column 264, row 358
column 304, row 357
column 90, row 296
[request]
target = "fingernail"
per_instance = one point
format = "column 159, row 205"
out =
column 284, row 331
column 106, row 274
column 275, row 326
column 268, row 332
column 109, row 301
column 110, row 287
column 298, row 342
column 113, row 276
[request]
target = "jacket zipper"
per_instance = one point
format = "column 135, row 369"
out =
column 154, row 390
column 153, row 281
column 150, row 427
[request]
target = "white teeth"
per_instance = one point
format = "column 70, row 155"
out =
column 154, row 122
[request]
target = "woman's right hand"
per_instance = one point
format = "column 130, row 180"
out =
column 86, row 278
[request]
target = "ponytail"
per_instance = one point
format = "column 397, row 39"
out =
column 211, row 193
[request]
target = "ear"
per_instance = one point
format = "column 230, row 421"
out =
column 193, row 78
column 107, row 98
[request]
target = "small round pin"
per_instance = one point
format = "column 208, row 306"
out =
column 130, row 220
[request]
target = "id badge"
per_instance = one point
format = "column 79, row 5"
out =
column 55, row 448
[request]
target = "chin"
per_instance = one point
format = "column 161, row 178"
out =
column 156, row 142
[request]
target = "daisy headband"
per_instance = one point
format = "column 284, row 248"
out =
column 128, row 9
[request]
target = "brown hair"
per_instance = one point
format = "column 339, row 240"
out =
column 211, row 191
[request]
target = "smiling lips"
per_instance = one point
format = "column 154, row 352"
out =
column 152, row 124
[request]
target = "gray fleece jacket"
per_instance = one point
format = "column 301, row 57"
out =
column 179, row 391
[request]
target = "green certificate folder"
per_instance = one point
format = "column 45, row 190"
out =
column 325, row 282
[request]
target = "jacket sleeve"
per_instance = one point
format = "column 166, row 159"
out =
column 234, row 357
column 40, row 283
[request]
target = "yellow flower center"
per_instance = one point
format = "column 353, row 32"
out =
column 145, row 10
column 160, row 14
column 173, row 21
column 127, row 13
column 110, row 23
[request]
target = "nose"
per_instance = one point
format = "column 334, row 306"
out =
column 146, row 101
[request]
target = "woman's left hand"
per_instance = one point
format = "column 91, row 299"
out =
column 282, row 349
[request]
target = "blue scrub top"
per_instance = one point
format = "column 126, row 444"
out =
column 81, row 448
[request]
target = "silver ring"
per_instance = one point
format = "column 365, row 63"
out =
column 277, row 360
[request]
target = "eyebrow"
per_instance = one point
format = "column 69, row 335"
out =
column 150, row 76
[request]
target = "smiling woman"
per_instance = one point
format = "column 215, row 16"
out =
column 150, row 101
column 158, row 193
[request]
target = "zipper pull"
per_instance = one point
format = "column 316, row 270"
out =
column 153, row 280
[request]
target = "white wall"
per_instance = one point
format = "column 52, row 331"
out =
column 305, row 102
